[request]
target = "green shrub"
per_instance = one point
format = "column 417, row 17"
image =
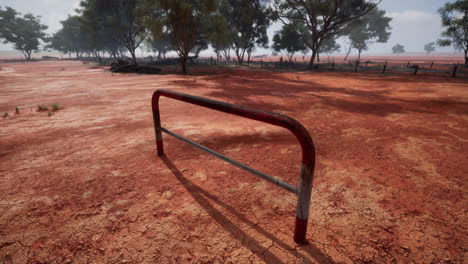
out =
column 5, row 115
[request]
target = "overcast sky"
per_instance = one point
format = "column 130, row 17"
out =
column 415, row 22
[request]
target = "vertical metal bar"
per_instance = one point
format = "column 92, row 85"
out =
column 303, row 204
column 157, row 125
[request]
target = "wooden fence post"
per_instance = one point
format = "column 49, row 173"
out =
column 416, row 68
column 385, row 67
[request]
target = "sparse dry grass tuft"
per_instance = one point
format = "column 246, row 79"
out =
column 42, row 108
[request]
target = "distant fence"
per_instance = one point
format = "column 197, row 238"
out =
column 381, row 66
column 415, row 67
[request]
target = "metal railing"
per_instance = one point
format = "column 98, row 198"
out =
column 308, row 150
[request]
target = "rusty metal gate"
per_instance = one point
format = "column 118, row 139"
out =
column 303, row 191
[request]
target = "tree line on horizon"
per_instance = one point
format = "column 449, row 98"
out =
column 187, row 27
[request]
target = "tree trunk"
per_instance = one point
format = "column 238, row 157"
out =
column 227, row 54
column 240, row 56
column 240, row 60
column 466, row 57
column 27, row 55
column 132, row 52
column 318, row 57
column 349, row 51
column 184, row 63
column 359, row 54
column 312, row 58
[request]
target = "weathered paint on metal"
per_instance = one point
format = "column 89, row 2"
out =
column 307, row 145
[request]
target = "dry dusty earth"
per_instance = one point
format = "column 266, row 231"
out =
column 84, row 185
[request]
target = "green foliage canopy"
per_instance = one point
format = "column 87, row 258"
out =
column 429, row 47
column 186, row 23
column 24, row 32
column 247, row 24
column 370, row 28
column 455, row 20
column 289, row 39
column 398, row 49
column 324, row 19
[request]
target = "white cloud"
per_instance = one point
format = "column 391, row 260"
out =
column 413, row 16
column 414, row 28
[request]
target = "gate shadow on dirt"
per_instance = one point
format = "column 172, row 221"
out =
column 203, row 198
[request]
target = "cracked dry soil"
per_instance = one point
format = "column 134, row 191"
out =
column 84, row 185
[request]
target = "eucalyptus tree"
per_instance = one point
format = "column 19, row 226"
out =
column 160, row 45
column 371, row 28
column 23, row 31
column 126, row 19
column 220, row 36
column 247, row 24
column 69, row 39
column 397, row 49
column 289, row 40
column 455, row 20
column 186, row 23
column 429, row 47
column 111, row 25
column 324, row 19
column 328, row 47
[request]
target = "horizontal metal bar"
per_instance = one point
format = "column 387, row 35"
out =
column 255, row 172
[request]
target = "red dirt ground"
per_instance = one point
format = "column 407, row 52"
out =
column 84, row 185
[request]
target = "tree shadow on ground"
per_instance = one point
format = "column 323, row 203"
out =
column 248, row 90
column 203, row 198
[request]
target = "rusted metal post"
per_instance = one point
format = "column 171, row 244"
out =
column 303, row 204
column 157, row 125
column 304, row 190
